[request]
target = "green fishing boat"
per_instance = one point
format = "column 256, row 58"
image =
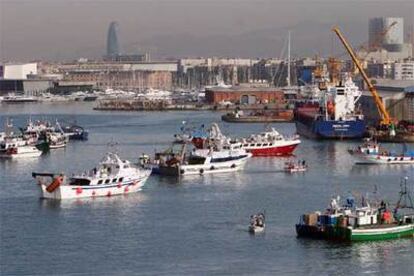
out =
column 366, row 223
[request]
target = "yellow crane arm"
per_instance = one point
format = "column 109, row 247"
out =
column 386, row 119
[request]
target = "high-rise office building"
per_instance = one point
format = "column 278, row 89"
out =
column 386, row 33
column 112, row 44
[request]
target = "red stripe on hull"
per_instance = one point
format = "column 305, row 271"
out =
column 274, row 151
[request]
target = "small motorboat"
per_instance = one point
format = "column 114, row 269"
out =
column 56, row 140
column 368, row 147
column 293, row 167
column 75, row 132
column 257, row 223
column 112, row 176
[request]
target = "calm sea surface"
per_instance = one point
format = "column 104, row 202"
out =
column 196, row 225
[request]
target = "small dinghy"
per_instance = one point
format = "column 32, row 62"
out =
column 257, row 223
column 292, row 167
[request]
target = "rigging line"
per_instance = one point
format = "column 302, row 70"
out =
column 278, row 67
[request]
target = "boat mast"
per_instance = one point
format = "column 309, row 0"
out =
column 288, row 64
column 405, row 200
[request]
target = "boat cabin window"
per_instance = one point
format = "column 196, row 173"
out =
column 121, row 179
column 107, row 181
column 225, row 159
column 259, row 145
column 252, row 145
column 79, row 182
column 114, row 180
column 245, row 145
column 100, row 181
column 265, row 145
column 196, row 160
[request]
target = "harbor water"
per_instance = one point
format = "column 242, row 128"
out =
column 196, row 225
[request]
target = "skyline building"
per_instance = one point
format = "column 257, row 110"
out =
column 386, row 33
column 112, row 44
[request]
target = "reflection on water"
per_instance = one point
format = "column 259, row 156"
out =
column 124, row 202
column 188, row 225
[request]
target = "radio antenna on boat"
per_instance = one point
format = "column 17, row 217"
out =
column 405, row 200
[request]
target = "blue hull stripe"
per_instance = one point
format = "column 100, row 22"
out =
column 94, row 187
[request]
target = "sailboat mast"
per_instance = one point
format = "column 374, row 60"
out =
column 288, row 65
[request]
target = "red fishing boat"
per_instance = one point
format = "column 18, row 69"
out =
column 270, row 143
column 267, row 143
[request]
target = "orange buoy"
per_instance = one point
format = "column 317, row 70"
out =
column 55, row 184
column 78, row 190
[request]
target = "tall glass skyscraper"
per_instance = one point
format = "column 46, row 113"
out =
column 112, row 46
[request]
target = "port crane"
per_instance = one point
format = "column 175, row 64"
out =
column 385, row 116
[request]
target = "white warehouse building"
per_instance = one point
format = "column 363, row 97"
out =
column 19, row 71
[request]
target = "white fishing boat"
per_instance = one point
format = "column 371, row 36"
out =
column 56, row 140
column 257, row 223
column 20, row 151
column 13, row 146
column 112, row 176
column 204, row 161
column 374, row 154
column 293, row 167
column 384, row 158
column 216, row 159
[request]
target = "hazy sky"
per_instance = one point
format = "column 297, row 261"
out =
column 65, row 29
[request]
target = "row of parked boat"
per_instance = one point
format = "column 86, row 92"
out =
column 37, row 137
column 206, row 151
column 190, row 154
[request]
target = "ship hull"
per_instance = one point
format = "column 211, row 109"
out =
column 273, row 151
column 70, row 192
column 349, row 234
column 331, row 129
column 376, row 234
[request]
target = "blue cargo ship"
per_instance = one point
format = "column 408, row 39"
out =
column 334, row 116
